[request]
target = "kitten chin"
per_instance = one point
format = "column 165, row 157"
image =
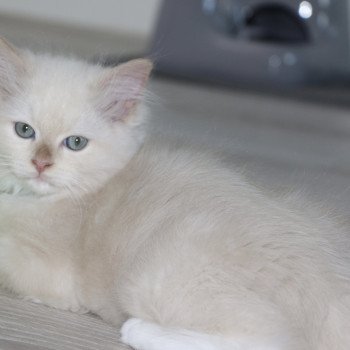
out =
column 33, row 186
column 30, row 188
column 41, row 187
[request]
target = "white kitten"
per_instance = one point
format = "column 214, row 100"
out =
column 195, row 257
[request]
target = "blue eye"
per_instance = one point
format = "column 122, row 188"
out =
column 24, row 130
column 75, row 143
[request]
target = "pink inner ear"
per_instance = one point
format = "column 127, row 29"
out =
column 121, row 109
column 121, row 89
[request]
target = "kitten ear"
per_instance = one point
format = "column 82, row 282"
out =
column 11, row 67
column 121, row 89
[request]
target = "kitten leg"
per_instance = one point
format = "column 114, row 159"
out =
column 142, row 335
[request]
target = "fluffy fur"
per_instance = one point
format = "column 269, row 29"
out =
column 186, row 250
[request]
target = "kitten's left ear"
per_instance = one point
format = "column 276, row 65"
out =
column 121, row 89
column 12, row 67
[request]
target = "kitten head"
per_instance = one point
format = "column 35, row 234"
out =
column 66, row 126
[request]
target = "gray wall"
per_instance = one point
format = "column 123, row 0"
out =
column 132, row 17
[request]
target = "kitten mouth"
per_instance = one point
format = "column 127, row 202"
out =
column 39, row 184
column 39, row 179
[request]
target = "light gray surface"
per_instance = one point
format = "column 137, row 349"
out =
column 282, row 144
column 24, row 325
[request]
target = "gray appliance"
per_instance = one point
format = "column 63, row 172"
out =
column 253, row 41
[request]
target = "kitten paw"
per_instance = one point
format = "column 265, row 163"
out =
column 129, row 330
column 139, row 334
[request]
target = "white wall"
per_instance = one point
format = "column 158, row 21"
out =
column 134, row 17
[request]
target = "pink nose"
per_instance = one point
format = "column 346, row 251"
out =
column 41, row 165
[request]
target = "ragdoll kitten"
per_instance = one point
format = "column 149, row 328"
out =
column 169, row 245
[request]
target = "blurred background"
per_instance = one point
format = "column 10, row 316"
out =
column 264, row 82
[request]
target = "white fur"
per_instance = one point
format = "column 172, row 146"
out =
column 142, row 335
column 160, row 233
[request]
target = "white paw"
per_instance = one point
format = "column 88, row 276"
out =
column 129, row 330
column 139, row 334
